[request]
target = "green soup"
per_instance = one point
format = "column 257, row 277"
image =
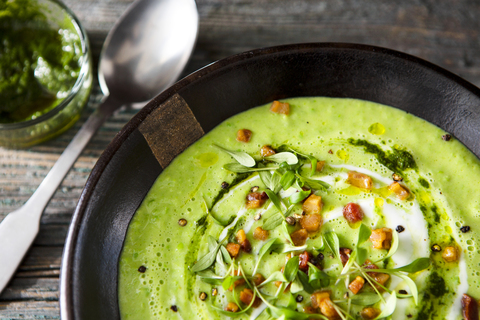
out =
column 180, row 269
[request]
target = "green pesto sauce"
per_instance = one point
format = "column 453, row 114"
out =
column 39, row 61
column 442, row 176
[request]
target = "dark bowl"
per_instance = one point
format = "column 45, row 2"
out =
column 128, row 167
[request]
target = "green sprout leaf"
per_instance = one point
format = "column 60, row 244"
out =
column 411, row 284
column 389, row 308
column 291, row 269
column 297, row 285
column 317, row 278
column 276, row 276
column 238, row 168
column 287, row 179
column 226, row 255
column 264, row 249
column 207, row 260
column 280, row 157
column 331, row 239
column 275, row 200
column 305, row 283
column 298, row 197
column 416, row 266
column 242, row 157
column 273, row 221
column 365, row 299
column 285, row 247
column 363, row 234
column 362, row 254
column 314, row 184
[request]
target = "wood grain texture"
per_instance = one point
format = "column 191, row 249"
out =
column 446, row 33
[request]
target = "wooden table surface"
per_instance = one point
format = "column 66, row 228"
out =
column 446, row 33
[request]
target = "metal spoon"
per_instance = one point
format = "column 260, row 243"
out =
column 143, row 54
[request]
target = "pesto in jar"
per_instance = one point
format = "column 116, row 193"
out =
column 39, row 61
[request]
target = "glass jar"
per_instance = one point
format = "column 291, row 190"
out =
column 69, row 102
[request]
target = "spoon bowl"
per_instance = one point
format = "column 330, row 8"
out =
column 147, row 49
column 143, row 54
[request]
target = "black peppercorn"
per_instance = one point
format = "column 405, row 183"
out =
column 465, row 229
column 225, row 185
column 203, row 296
column 299, row 298
column 142, row 269
column 182, row 222
column 320, row 256
column 402, row 292
column 314, row 261
column 174, row 308
column 400, row 229
column 436, row 248
column 446, row 137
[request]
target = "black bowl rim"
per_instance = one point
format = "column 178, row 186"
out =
column 66, row 272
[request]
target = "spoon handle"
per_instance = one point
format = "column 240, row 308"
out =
column 20, row 227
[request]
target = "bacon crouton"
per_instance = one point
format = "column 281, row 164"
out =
column 450, row 254
column 255, row 200
column 311, row 222
column 244, row 135
column 246, row 297
column 313, row 204
column 356, row 285
column 381, row 238
column 359, row 180
column 280, row 107
column 260, row 234
column 321, row 300
column 267, row 151
column 243, row 241
column 299, row 237
column 400, row 191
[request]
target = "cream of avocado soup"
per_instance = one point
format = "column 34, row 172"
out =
column 309, row 208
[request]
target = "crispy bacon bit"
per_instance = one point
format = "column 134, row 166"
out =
column 359, row 180
column 450, row 254
column 267, row 151
column 322, row 301
column 353, row 212
column 303, row 263
column 469, row 307
column 381, row 278
column 369, row 313
column 345, row 255
column 243, row 241
column 313, row 204
column 255, row 200
column 246, row 297
column 244, row 135
column 309, row 310
column 258, row 279
column 299, row 237
column 381, row 238
column 320, row 165
column 233, row 249
column 260, row 234
column 311, row 222
column 280, row 107
column 400, row 191
column 232, row 307
column 356, row 285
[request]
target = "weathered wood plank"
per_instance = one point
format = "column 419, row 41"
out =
column 31, row 289
column 29, row 310
column 446, row 33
